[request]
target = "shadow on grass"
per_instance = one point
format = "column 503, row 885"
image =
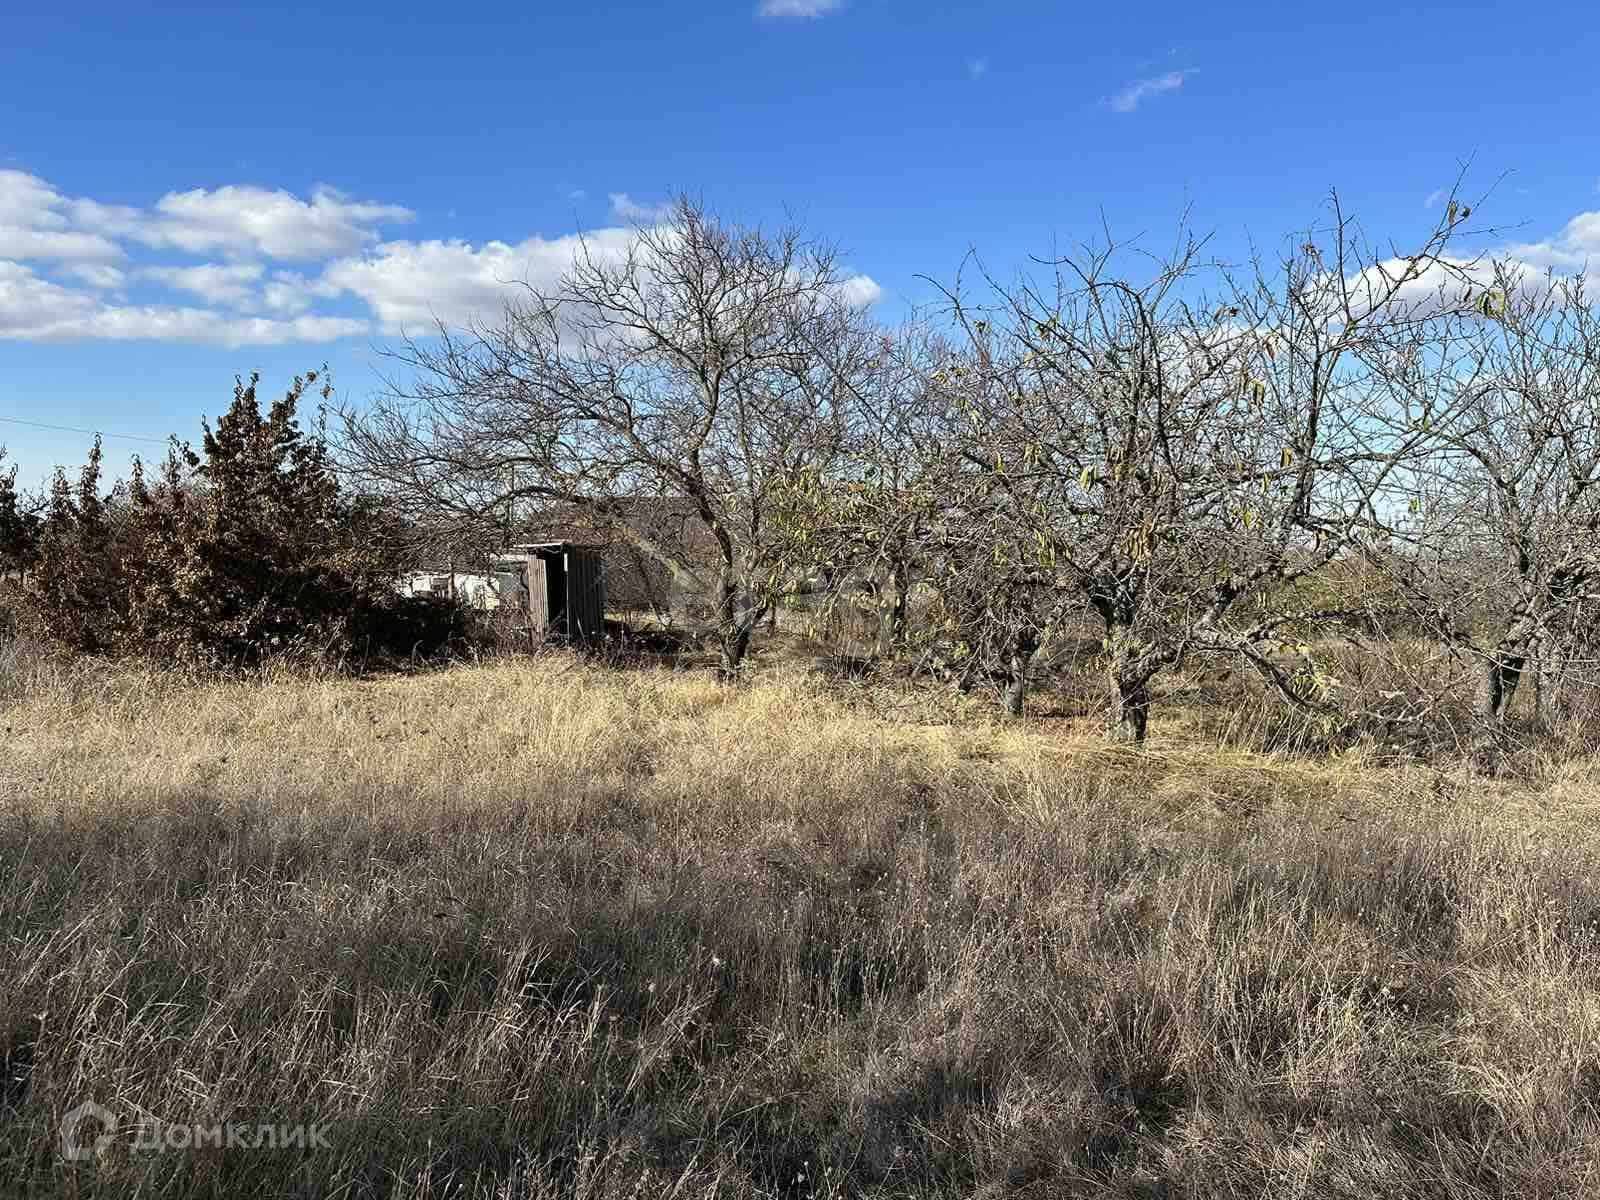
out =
column 954, row 999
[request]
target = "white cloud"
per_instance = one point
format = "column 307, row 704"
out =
column 1526, row 270
column 978, row 67
column 241, row 221
column 247, row 220
column 97, row 275
column 213, row 328
column 410, row 285
column 28, row 302
column 221, row 283
column 287, row 292
column 861, row 290
column 1140, row 90
column 208, row 327
column 634, row 213
column 89, row 243
column 76, row 268
column 29, row 201
column 1438, row 282
column 798, row 8
column 113, row 220
column 39, row 310
column 34, row 224
column 1576, row 248
column 55, row 244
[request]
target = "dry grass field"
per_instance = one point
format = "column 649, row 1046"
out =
column 544, row 928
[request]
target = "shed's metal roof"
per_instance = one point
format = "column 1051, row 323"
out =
column 556, row 546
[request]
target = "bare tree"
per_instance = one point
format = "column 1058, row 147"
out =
column 1170, row 441
column 904, row 504
column 858, row 525
column 1498, row 543
column 705, row 363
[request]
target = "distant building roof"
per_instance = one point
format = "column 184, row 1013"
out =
column 562, row 545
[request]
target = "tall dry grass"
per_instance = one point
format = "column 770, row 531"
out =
column 545, row 929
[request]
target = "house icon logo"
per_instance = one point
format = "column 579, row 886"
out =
column 86, row 1131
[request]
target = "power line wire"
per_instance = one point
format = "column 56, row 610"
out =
column 127, row 437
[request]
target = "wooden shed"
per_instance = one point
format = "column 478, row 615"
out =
column 560, row 585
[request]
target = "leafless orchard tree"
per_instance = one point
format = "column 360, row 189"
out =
column 860, row 523
column 905, row 505
column 1169, row 440
column 1498, row 543
column 706, row 364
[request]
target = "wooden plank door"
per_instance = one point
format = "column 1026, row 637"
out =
column 538, row 596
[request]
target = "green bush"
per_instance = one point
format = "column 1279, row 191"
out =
column 243, row 552
column 19, row 528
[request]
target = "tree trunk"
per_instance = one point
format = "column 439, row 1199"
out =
column 1541, row 684
column 1131, row 668
column 892, row 613
column 735, row 645
column 1501, row 675
column 1130, row 710
column 1550, row 657
column 735, row 630
column 1017, row 674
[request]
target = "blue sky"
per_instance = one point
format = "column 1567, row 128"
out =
column 191, row 192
